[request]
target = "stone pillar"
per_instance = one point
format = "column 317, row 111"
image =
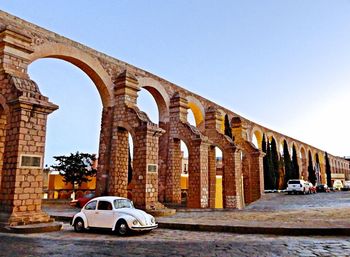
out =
column 126, row 89
column 24, row 144
column 173, row 180
column 104, row 152
column 212, row 176
column 232, row 183
column 163, row 161
column 213, row 119
column 178, row 108
column 145, row 167
column 118, row 178
column 21, row 189
column 252, row 162
column 198, row 191
column 3, row 123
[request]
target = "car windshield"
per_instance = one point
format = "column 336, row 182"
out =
column 123, row 203
column 293, row 182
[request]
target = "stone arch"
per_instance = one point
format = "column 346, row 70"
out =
column 257, row 132
column 159, row 94
column 197, row 108
column 91, row 66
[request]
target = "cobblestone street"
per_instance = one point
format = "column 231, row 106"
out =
column 162, row 242
column 329, row 210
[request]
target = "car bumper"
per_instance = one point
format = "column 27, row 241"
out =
column 143, row 228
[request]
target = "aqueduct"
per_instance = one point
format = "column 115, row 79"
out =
column 157, row 153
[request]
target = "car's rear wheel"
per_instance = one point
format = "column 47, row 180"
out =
column 79, row 225
column 122, row 228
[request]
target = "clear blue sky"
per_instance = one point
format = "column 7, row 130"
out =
column 283, row 64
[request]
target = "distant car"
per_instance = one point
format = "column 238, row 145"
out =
column 81, row 201
column 298, row 186
column 322, row 188
column 346, row 186
column 312, row 188
column 115, row 213
column 337, row 184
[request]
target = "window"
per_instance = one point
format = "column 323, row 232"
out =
column 104, row 205
column 91, row 205
column 123, row 203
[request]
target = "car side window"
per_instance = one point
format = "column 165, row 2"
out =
column 91, row 205
column 104, row 205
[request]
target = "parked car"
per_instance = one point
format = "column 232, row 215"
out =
column 81, row 201
column 346, row 186
column 298, row 186
column 322, row 188
column 312, row 188
column 115, row 213
column 337, row 184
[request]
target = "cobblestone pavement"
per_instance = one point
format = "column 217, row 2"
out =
column 162, row 242
column 279, row 209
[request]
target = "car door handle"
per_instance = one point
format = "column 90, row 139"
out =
column 96, row 212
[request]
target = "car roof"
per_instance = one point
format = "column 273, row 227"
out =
column 108, row 198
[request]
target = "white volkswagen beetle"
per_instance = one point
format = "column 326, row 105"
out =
column 115, row 213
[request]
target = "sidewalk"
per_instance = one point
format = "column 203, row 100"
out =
column 279, row 214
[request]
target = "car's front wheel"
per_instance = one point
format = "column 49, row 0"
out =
column 79, row 225
column 122, row 228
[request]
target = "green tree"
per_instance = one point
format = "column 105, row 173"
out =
column 75, row 168
column 275, row 162
column 287, row 163
column 328, row 171
column 295, row 165
column 228, row 129
column 311, row 171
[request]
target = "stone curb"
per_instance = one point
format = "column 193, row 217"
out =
column 288, row 231
column 33, row 228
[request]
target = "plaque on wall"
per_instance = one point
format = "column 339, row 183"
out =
column 30, row 161
column 152, row 168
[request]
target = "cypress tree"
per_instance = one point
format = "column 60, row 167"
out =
column 318, row 166
column 275, row 162
column 265, row 164
column 328, row 171
column 228, row 129
column 287, row 163
column 271, row 173
column 311, row 171
column 295, row 164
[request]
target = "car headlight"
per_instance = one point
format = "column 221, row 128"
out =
column 135, row 222
column 153, row 220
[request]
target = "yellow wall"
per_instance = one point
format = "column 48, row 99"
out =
column 218, row 193
column 56, row 183
column 184, row 181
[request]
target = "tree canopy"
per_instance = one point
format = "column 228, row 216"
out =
column 287, row 163
column 75, row 168
column 295, row 165
column 311, row 171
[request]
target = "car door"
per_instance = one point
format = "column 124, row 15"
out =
column 104, row 217
column 90, row 212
